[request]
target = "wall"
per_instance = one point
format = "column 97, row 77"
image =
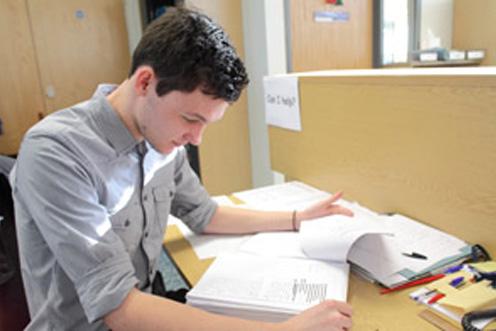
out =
column 265, row 49
column 415, row 141
column 436, row 23
column 225, row 150
column 473, row 27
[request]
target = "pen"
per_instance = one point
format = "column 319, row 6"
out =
column 415, row 255
column 435, row 298
column 412, row 283
column 423, row 296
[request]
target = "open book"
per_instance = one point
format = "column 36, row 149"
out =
column 267, row 288
column 381, row 248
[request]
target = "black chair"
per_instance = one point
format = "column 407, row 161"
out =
column 14, row 313
column 6, row 213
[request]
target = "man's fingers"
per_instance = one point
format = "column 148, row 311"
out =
column 340, row 306
column 340, row 210
column 335, row 197
column 344, row 308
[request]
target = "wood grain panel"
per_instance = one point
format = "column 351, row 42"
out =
column 473, row 27
column 225, row 159
column 423, row 146
column 330, row 45
column 21, row 99
column 79, row 44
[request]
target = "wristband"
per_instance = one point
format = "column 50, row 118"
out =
column 293, row 220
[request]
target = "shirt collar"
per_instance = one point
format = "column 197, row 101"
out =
column 110, row 123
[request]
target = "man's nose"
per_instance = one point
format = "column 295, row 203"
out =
column 196, row 133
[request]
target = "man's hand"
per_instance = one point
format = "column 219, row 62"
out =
column 328, row 315
column 323, row 208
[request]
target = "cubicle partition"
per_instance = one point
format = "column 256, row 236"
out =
column 420, row 142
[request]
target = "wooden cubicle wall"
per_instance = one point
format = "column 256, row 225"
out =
column 421, row 143
column 473, row 27
column 225, row 151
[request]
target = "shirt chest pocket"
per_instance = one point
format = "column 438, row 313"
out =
column 128, row 225
column 163, row 197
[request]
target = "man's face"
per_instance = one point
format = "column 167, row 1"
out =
column 177, row 118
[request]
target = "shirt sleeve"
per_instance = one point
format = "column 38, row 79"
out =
column 191, row 203
column 59, row 190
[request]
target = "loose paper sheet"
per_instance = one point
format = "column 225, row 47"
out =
column 282, row 104
column 210, row 245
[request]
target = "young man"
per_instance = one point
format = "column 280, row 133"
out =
column 94, row 184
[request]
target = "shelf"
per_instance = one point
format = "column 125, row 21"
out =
column 452, row 63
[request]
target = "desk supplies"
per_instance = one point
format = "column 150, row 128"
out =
column 435, row 298
column 415, row 255
column 446, row 298
column 412, row 283
column 469, row 318
column 457, row 281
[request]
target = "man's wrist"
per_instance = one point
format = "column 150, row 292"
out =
column 294, row 221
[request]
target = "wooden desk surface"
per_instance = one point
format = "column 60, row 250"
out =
column 372, row 311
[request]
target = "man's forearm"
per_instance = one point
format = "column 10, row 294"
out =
column 143, row 311
column 240, row 220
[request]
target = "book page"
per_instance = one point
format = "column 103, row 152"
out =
column 294, row 284
column 331, row 238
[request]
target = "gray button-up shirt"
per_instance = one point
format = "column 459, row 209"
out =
column 91, row 207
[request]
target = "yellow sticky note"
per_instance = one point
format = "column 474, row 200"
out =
column 488, row 266
column 475, row 296
column 443, row 285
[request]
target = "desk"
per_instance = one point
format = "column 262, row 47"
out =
column 372, row 311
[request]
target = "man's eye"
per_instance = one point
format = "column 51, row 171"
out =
column 190, row 120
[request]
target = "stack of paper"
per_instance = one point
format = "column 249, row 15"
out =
column 267, row 288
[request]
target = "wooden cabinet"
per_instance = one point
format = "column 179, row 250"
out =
column 340, row 39
column 54, row 54
column 21, row 100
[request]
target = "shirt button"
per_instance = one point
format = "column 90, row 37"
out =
column 145, row 197
column 171, row 194
column 146, row 234
column 127, row 223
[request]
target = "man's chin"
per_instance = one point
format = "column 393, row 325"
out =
column 165, row 149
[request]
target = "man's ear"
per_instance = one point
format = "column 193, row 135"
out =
column 144, row 79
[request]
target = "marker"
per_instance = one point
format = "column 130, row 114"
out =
column 435, row 298
column 457, row 281
column 415, row 255
column 453, row 269
column 412, row 283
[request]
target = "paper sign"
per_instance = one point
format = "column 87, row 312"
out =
column 282, row 103
column 330, row 16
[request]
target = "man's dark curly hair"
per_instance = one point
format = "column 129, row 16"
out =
column 187, row 50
